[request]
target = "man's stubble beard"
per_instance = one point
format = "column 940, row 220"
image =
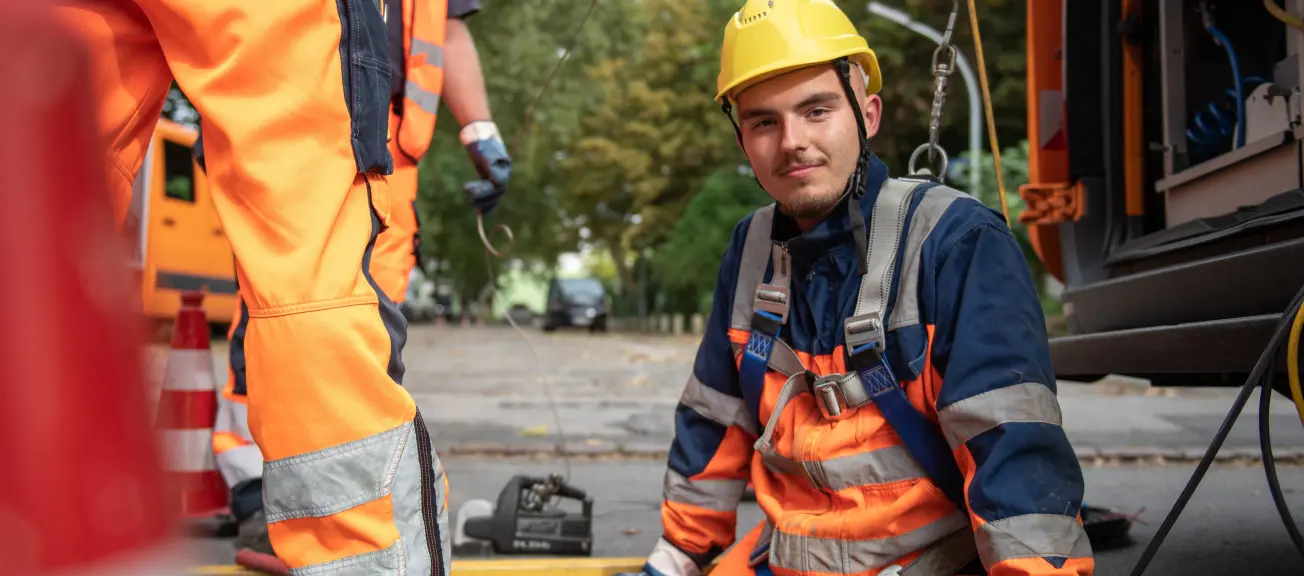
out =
column 813, row 208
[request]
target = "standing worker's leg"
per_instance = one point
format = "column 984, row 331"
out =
column 351, row 483
column 238, row 457
column 395, row 253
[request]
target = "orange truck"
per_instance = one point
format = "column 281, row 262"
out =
column 176, row 240
column 1168, row 193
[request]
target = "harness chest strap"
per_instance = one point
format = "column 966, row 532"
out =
column 870, row 378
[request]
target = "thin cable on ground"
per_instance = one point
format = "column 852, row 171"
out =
column 1270, row 461
column 1255, row 379
column 543, row 380
column 987, row 105
column 560, row 434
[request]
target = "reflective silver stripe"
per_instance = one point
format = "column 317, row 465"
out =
column 887, row 220
column 751, row 266
column 946, row 558
column 242, row 464
column 890, row 464
column 1031, row 536
column 426, row 100
column 716, row 406
column 434, row 54
column 882, row 466
column 829, row 555
column 905, row 310
column 1026, row 402
column 718, row 495
column 335, row 479
column 341, row 477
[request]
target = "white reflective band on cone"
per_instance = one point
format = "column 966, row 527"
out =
column 189, row 370
column 188, row 450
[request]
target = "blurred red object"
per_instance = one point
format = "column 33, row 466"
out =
column 81, row 487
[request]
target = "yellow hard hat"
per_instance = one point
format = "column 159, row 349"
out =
column 769, row 37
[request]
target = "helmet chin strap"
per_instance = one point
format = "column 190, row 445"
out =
column 856, row 184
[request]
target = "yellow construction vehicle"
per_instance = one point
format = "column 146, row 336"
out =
column 177, row 242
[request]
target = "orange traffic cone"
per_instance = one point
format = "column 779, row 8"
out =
column 187, row 412
column 80, row 489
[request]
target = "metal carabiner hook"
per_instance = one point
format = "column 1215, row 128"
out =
column 944, row 57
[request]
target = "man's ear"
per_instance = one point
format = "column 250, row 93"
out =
column 873, row 114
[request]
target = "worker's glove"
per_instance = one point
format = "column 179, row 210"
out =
column 489, row 155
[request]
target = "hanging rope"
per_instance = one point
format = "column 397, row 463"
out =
column 987, row 104
column 490, row 290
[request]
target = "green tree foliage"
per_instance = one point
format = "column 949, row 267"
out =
column 626, row 151
column 687, row 263
column 649, row 136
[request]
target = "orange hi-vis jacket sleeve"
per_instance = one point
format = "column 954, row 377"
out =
column 712, row 452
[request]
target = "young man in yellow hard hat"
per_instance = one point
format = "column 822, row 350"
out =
column 876, row 360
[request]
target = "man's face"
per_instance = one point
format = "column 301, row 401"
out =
column 800, row 135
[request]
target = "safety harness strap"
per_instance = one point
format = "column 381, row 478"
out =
column 871, row 378
column 783, row 359
column 888, row 220
column 769, row 313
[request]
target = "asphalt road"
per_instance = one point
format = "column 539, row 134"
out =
column 483, row 391
column 1230, row 526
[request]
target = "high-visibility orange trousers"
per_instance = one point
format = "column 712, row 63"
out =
column 392, row 260
column 395, row 254
column 293, row 95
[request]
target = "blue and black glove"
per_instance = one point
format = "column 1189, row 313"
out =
column 489, row 155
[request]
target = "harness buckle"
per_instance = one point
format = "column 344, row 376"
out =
column 829, row 396
column 773, row 299
column 864, row 329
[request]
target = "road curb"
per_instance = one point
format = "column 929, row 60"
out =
column 604, row 450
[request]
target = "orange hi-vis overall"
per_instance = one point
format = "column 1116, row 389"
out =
column 393, row 255
column 412, row 126
column 293, row 95
column 946, row 325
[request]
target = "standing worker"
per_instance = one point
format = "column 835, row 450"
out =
column 416, row 91
column 887, row 388
column 442, row 54
column 295, row 125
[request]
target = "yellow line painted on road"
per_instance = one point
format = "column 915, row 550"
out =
column 500, row 567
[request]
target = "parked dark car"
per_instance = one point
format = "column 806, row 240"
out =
column 578, row 302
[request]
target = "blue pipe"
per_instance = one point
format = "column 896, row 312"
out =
column 1222, row 40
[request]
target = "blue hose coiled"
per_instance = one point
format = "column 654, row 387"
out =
column 1215, row 123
